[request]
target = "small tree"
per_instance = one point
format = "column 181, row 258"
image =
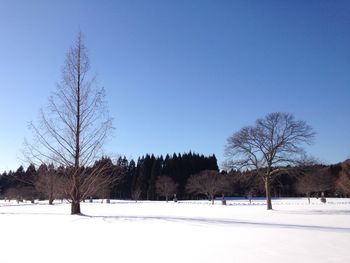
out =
column 207, row 182
column 48, row 182
column 272, row 142
column 13, row 193
column 136, row 193
column 165, row 186
column 305, row 185
column 314, row 181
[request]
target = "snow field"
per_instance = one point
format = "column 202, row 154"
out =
column 189, row 231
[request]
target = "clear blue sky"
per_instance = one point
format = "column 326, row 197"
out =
column 183, row 75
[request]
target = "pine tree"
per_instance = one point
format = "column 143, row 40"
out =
column 155, row 172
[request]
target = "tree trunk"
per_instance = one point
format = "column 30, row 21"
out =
column 75, row 207
column 268, row 193
column 51, row 190
column 50, row 200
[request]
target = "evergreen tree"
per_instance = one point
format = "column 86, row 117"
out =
column 155, row 172
column 129, row 179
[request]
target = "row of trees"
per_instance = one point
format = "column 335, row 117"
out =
column 48, row 182
column 157, row 178
column 303, row 180
column 148, row 178
column 177, row 167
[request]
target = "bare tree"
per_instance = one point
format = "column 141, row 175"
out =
column 343, row 182
column 273, row 141
column 136, row 193
column 208, row 182
column 20, row 193
column 314, row 183
column 48, row 183
column 305, row 185
column 13, row 193
column 165, row 186
column 74, row 126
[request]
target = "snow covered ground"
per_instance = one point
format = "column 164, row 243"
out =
column 187, row 231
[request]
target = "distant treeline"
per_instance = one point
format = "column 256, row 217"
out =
column 297, row 181
column 138, row 179
column 133, row 176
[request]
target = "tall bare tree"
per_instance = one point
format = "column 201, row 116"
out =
column 273, row 141
column 74, row 126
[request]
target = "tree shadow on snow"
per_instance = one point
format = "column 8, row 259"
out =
column 220, row 222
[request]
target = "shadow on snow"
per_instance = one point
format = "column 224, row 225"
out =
column 221, row 222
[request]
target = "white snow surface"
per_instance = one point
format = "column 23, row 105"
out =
column 187, row 231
